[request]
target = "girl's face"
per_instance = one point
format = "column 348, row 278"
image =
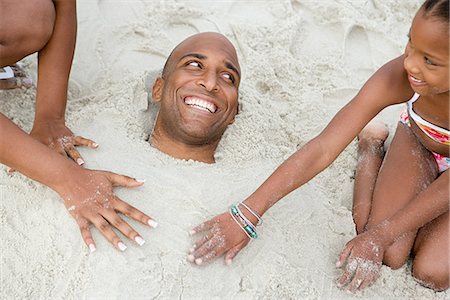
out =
column 427, row 55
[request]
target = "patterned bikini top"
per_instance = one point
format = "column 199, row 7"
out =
column 436, row 133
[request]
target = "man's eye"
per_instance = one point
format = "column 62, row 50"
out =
column 194, row 64
column 228, row 76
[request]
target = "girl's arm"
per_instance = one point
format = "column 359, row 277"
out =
column 87, row 194
column 54, row 64
column 387, row 86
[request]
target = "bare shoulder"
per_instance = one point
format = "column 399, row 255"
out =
column 389, row 84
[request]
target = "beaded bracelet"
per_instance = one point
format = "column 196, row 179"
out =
column 252, row 212
column 245, row 224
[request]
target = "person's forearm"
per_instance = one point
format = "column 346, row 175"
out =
column 54, row 64
column 23, row 153
column 298, row 169
column 427, row 206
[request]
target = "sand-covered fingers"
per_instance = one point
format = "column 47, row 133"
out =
column 133, row 212
column 208, row 250
column 221, row 235
column 88, row 195
column 363, row 257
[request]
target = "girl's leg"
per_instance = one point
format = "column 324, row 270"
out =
column 408, row 169
column 370, row 156
column 431, row 262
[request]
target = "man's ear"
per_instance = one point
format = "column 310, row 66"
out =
column 238, row 109
column 157, row 89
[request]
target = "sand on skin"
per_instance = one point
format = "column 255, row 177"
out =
column 301, row 60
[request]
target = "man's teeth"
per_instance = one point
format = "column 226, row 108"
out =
column 201, row 104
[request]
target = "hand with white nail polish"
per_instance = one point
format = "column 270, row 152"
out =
column 91, row 201
column 56, row 135
column 87, row 194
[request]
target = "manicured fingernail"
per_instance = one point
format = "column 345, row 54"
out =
column 228, row 262
column 338, row 264
column 139, row 240
column 191, row 250
column 199, row 261
column 191, row 258
column 80, row 161
column 192, row 232
column 95, row 145
column 152, row 223
column 92, row 248
column 140, row 180
column 122, row 246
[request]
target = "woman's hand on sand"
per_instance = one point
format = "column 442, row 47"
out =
column 222, row 236
column 57, row 136
column 90, row 200
column 362, row 258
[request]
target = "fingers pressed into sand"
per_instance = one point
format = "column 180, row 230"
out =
column 107, row 231
column 122, row 180
column 81, row 141
column 209, row 256
column 231, row 254
column 86, row 234
column 113, row 218
column 345, row 278
column 73, row 153
column 203, row 227
column 357, row 280
column 133, row 212
column 344, row 255
column 369, row 280
column 213, row 243
column 198, row 243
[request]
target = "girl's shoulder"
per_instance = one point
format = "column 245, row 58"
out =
column 392, row 80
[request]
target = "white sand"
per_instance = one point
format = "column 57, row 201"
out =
column 301, row 61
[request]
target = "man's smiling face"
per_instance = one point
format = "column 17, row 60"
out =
column 198, row 91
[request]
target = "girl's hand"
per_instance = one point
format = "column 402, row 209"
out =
column 90, row 200
column 57, row 136
column 223, row 235
column 363, row 257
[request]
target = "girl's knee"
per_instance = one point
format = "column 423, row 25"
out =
column 39, row 33
column 431, row 273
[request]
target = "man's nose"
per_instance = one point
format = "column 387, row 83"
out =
column 209, row 81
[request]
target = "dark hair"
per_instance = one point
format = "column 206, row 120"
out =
column 436, row 8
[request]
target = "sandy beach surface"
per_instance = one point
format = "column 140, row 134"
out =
column 301, row 62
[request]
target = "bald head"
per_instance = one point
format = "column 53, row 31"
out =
column 198, row 95
column 202, row 39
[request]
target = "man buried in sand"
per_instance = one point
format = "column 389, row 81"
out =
column 198, row 97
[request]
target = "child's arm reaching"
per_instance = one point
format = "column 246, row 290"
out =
column 87, row 194
column 387, row 86
column 54, row 64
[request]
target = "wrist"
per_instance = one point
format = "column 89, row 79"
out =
column 384, row 233
column 69, row 175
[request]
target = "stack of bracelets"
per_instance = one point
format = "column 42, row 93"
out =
column 243, row 222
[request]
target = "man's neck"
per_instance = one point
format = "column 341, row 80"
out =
column 202, row 153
